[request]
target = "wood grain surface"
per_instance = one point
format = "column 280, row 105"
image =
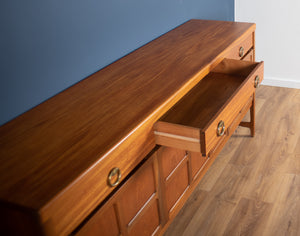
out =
column 253, row 187
column 55, row 158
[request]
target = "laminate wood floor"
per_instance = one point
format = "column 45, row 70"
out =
column 253, row 187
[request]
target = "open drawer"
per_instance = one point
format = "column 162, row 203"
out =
column 199, row 121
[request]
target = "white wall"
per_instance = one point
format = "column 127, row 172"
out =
column 277, row 37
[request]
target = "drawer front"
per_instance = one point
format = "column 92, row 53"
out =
column 193, row 123
column 249, row 56
column 177, row 136
column 230, row 110
column 241, row 48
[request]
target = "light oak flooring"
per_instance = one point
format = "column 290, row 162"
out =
column 253, row 187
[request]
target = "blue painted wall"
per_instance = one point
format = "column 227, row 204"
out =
column 49, row 45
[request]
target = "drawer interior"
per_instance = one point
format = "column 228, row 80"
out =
column 195, row 112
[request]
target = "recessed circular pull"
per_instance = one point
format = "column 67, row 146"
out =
column 221, row 128
column 256, row 82
column 114, row 172
column 241, row 52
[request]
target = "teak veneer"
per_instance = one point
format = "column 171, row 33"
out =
column 56, row 158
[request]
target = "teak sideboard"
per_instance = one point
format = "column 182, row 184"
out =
column 120, row 152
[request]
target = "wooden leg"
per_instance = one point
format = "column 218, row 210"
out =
column 251, row 124
column 252, row 116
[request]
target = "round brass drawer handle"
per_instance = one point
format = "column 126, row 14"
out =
column 256, row 82
column 114, row 171
column 221, row 128
column 241, row 52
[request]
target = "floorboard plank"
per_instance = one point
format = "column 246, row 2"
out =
column 285, row 218
column 249, row 218
column 186, row 214
column 217, row 214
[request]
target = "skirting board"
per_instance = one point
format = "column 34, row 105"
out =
column 280, row 82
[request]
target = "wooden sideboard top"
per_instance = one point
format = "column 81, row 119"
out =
column 43, row 151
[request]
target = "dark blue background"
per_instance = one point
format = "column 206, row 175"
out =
column 49, row 45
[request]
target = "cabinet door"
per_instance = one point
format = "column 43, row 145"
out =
column 176, row 186
column 179, row 171
column 169, row 159
column 197, row 162
column 103, row 223
column 173, row 165
column 138, row 202
column 133, row 210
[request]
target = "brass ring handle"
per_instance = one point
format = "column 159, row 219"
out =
column 241, row 52
column 114, row 171
column 221, row 128
column 256, row 82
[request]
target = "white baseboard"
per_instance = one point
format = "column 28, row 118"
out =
column 280, row 82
